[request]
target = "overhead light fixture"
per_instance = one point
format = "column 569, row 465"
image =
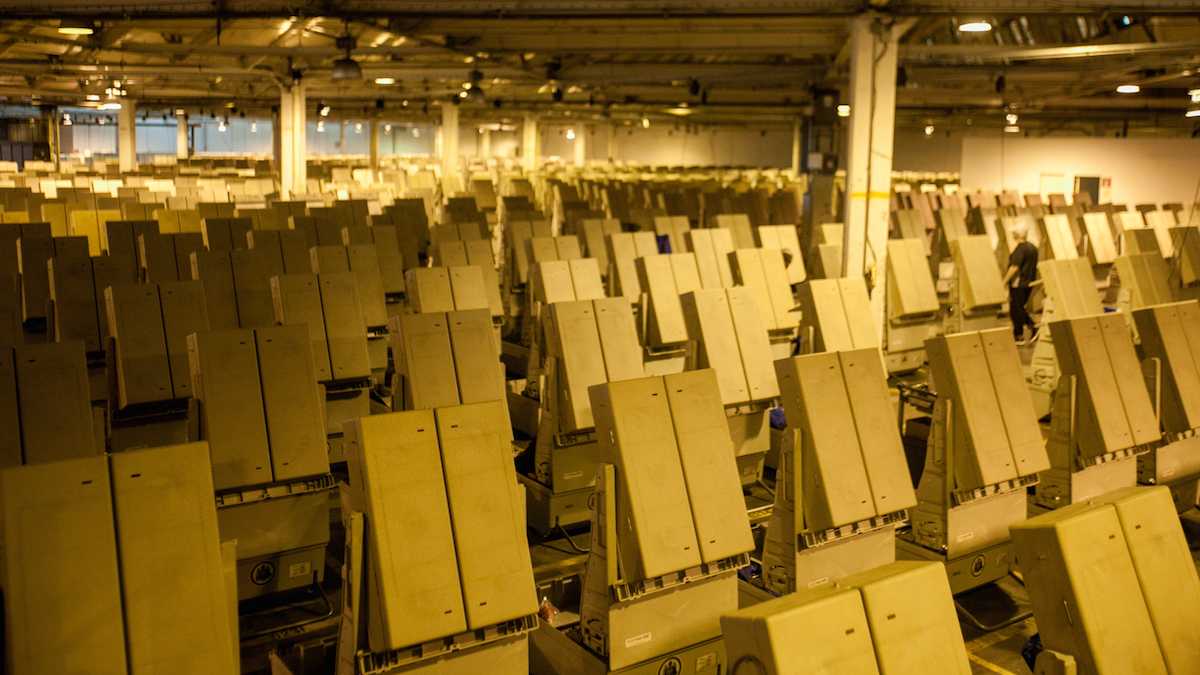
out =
column 843, row 110
column 320, row 126
column 1012, row 129
column 76, row 27
column 929, row 130
column 358, row 127
column 570, row 134
column 221, row 126
column 466, row 85
column 1011, row 118
column 387, row 129
column 1195, row 95
column 180, row 112
column 463, row 94
column 254, row 127
column 346, row 69
column 974, row 26
column 404, row 103
column 323, row 109
column 645, row 122
column 66, row 119
column 681, row 110
column 1195, row 112
column 385, row 80
column 110, row 105
column 1128, row 89
column 416, row 132
column 93, row 97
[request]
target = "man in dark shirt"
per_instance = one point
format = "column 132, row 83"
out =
column 1022, row 270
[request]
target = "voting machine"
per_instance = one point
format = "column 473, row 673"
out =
column 897, row 619
column 669, row 533
column 842, row 485
column 45, row 404
column 728, row 335
column 977, row 296
column 1070, row 291
column 762, row 270
column 835, row 315
column 588, row 342
column 913, row 313
column 130, row 577
column 1103, row 414
column 1113, row 585
column 983, row 449
column 362, row 262
column 437, row 576
column 260, row 411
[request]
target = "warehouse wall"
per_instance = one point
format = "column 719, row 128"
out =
column 1142, row 170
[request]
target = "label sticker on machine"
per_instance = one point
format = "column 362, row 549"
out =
column 300, row 569
column 706, row 661
column 818, row 582
column 966, row 536
column 571, row 475
column 639, row 639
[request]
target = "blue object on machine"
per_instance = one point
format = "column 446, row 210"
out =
column 1033, row 647
column 778, row 421
column 664, row 243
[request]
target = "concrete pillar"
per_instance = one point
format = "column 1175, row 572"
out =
column 797, row 145
column 293, row 137
column 485, row 144
column 373, row 150
column 529, row 143
column 127, row 136
column 449, row 154
column 181, row 137
column 869, row 162
column 581, row 146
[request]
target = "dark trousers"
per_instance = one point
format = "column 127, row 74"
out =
column 1017, row 298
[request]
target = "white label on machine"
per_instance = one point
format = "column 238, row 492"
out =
column 300, row 569
column 571, row 475
column 966, row 536
column 639, row 639
column 818, row 582
column 706, row 662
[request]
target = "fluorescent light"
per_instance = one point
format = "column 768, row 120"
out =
column 93, row 97
column 221, row 126
column 570, row 134
column 74, row 27
column 110, row 105
column 1195, row 112
column 1128, row 89
column 929, row 130
column 843, row 110
column 180, row 112
column 974, row 27
column 320, row 126
column 1012, row 129
column 1011, row 118
column 387, row 129
column 358, row 127
column 385, row 80
column 645, row 122
column 254, row 127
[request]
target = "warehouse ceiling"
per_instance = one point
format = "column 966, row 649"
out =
column 757, row 62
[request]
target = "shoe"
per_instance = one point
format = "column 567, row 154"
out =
column 1037, row 332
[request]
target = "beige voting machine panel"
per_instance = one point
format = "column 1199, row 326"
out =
column 839, row 313
column 1169, row 332
column 1071, row 287
column 994, row 420
column 979, row 282
column 854, row 467
column 1146, row 276
column 910, row 287
column 45, row 409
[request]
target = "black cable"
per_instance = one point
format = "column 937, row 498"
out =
column 571, row 542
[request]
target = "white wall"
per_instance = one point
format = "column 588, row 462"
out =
column 1143, row 170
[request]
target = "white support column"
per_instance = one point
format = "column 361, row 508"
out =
column 127, row 136
column 485, row 145
column 581, row 146
column 797, row 144
column 373, row 151
column 181, row 137
column 449, row 154
column 293, row 136
column 869, row 161
column 529, row 143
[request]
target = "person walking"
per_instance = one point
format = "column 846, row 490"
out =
column 1022, row 271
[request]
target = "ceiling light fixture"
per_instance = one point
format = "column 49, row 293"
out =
column 1011, row 118
column 1128, row 89
column 76, row 27
column 221, row 126
column 1012, row 129
column 110, row 105
column 1192, row 113
column 320, row 126
column 929, row 130
column 346, row 68
column 843, row 110
column 385, row 80
column 358, row 127
column 416, row 132
column 93, row 97
column 645, row 122
column 387, row 129
column 254, row 127
column 570, row 134
column 974, row 26
column 323, row 109
column 180, row 112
